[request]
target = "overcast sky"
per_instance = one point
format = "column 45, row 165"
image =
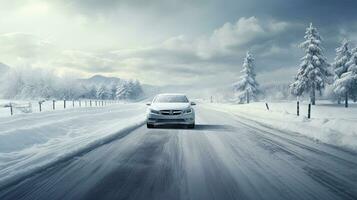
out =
column 199, row 42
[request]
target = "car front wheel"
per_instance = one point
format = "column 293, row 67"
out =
column 191, row 126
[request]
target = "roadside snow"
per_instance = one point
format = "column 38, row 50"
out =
column 329, row 123
column 30, row 142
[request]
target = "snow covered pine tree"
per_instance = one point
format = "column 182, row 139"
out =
column 103, row 92
column 313, row 73
column 343, row 55
column 347, row 83
column 247, row 87
column 129, row 90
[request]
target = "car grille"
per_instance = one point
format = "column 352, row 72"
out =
column 169, row 120
column 171, row 112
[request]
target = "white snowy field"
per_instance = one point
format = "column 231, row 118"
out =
column 330, row 123
column 29, row 142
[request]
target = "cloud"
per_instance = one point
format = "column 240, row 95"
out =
column 193, row 59
column 214, row 56
column 22, row 49
column 196, row 42
column 23, row 45
column 85, row 61
column 238, row 37
column 105, row 6
column 284, row 74
column 189, row 60
column 229, row 39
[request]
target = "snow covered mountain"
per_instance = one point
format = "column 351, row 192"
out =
column 101, row 80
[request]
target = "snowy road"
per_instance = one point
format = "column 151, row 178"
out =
column 223, row 158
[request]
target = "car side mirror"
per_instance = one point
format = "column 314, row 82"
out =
column 193, row 103
column 148, row 104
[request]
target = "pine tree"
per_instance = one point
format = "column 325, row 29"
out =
column 92, row 94
column 343, row 55
column 346, row 84
column 313, row 73
column 113, row 91
column 129, row 90
column 137, row 90
column 354, row 88
column 247, row 88
column 102, row 92
column 122, row 89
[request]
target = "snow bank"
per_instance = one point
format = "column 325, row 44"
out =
column 329, row 123
column 31, row 142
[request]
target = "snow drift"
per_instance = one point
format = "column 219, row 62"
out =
column 330, row 123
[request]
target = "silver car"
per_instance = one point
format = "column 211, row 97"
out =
column 168, row 109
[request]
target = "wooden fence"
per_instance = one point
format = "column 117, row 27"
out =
column 56, row 105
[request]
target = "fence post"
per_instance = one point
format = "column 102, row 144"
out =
column 95, row 103
column 90, row 103
column 79, row 102
column 64, row 104
column 39, row 104
column 53, row 104
column 309, row 111
column 298, row 108
column 73, row 103
column 11, row 111
column 266, row 104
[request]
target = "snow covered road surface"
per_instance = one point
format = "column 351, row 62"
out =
column 29, row 143
column 222, row 158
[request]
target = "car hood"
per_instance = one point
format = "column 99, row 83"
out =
column 170, row 106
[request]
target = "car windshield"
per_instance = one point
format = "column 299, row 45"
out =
column 171, row 99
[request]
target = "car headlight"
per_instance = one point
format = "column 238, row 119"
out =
column 154, row 111
column 187, row 111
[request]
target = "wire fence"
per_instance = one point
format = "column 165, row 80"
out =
column 22, row 107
